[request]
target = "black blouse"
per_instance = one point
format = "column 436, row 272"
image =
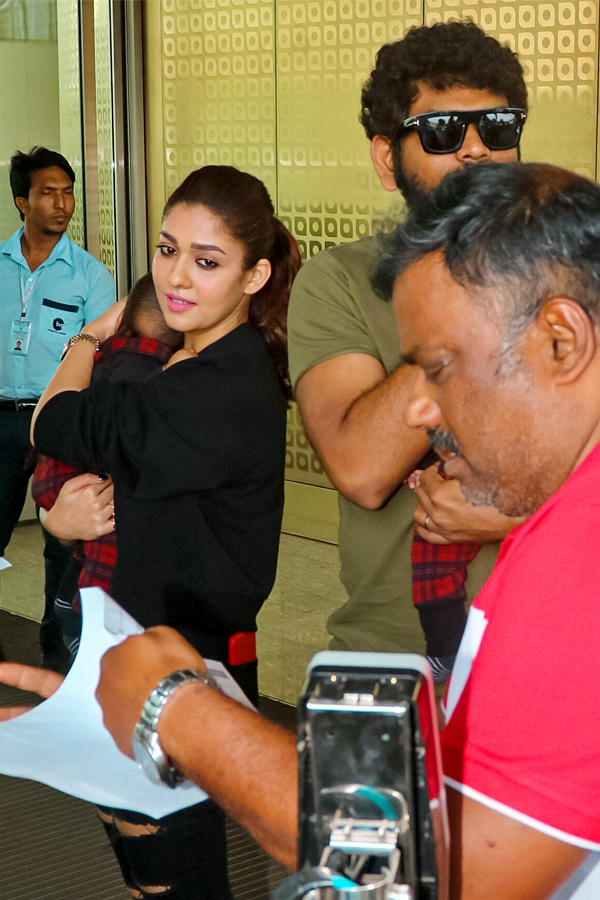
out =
column 197, row 456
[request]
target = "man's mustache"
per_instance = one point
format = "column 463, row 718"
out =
column 443, row 440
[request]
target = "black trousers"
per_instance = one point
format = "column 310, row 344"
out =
column 184, row 853
column 56, row 560
column 15, row 472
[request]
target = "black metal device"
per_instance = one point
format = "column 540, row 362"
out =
column 372, row 812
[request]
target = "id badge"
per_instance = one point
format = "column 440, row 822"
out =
column 20, row 332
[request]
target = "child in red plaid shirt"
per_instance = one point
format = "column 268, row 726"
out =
column 439, row 574
column 140, row 347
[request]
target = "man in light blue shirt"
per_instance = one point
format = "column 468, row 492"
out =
column 49, row 288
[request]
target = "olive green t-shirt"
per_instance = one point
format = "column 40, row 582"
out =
column 333, row 311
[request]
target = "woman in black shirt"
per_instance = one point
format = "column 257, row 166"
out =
column 196, row 454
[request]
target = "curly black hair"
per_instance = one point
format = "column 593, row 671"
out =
column 443, row 55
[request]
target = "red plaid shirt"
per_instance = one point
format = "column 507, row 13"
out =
column 98, row 557
column 439, row 570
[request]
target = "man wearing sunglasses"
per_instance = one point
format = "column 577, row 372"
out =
column 441, row 98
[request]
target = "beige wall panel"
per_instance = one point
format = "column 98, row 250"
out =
column 28, row 111
column 311, row 511
column 557, row 43
column 154, row 128
column 301, row 464
column 69, row 101
column 328, row 190
column 217, row 59
column 104, row 129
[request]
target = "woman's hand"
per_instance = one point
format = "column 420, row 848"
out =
column 84, row 509
column 106, row 324
column 27, row 678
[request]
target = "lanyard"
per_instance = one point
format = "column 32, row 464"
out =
column 25, row 295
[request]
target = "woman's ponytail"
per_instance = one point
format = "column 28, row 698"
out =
column 269, row 306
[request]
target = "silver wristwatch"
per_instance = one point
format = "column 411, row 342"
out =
column 147, row 751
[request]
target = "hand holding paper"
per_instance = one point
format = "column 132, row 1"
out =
column 63, row 742
column 128, row 678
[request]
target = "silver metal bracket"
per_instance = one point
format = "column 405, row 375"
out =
column 377, row 838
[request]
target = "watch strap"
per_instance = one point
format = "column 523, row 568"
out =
column 145, row 731
column 82, row 336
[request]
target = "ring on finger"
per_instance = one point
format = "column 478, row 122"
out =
column 426, row 522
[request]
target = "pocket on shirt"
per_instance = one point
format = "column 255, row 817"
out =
column 59, row 319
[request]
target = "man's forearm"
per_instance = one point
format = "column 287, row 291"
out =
column 359, row 433
column 378, row 438
column 247, row 764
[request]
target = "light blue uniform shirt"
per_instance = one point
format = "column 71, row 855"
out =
column 67, row 290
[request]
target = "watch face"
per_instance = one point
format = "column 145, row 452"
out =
column 145, row 761
column 147, row 751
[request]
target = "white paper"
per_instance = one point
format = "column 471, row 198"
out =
column 63, row 742
column 4, row 563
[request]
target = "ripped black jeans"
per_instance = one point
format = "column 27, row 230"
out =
column 182, row 856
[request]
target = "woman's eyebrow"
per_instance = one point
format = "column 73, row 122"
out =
column 173, row 240
column 207, row 247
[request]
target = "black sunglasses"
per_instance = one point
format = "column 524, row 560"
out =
column 444, row 132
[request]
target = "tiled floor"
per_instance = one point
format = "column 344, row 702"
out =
column 291, row 624
column 22, row 587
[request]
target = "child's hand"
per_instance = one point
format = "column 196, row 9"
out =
column 414, row 479
column 180, row 356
